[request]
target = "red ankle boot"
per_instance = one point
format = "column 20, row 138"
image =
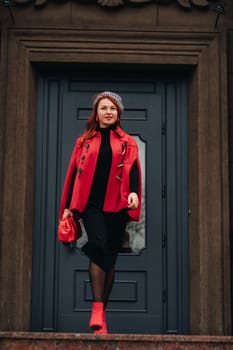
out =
column 104, row 329
column 97, row 316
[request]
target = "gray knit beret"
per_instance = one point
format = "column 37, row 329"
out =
column 116, row 97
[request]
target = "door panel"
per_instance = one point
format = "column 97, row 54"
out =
column 150, row 294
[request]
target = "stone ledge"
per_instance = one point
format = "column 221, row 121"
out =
column 78, row 341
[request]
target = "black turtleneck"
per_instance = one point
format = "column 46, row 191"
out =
column 100, row 180
column 102, row 170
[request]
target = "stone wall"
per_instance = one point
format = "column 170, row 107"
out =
column 168, row 35
column 89, row 14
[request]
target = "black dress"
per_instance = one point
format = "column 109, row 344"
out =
column 105, row 230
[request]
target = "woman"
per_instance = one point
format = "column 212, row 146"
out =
column 103, row 184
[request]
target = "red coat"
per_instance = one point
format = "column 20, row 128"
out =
column 81, row 171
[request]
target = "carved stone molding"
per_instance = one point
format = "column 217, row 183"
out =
column 186, row 4
column 25, row 49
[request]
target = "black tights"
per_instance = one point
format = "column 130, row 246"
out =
column 101, row 282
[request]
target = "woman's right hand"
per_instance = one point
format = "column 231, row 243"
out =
column 67, row 212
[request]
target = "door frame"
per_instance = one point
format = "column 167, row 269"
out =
column 54, row 265
column 208, row 153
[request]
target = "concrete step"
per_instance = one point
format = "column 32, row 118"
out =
column 76, row 341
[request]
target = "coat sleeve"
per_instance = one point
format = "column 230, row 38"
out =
column 69, row 179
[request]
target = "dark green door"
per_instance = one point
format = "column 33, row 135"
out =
column 150, row 294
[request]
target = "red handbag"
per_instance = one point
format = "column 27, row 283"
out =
column 69, row 229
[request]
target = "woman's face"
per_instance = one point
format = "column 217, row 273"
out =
column 107, row 113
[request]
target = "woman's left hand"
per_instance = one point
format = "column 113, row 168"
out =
column 133, row 200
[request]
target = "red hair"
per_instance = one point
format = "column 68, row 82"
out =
column 92, row 124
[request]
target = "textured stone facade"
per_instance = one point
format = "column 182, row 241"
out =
column 86, row 32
